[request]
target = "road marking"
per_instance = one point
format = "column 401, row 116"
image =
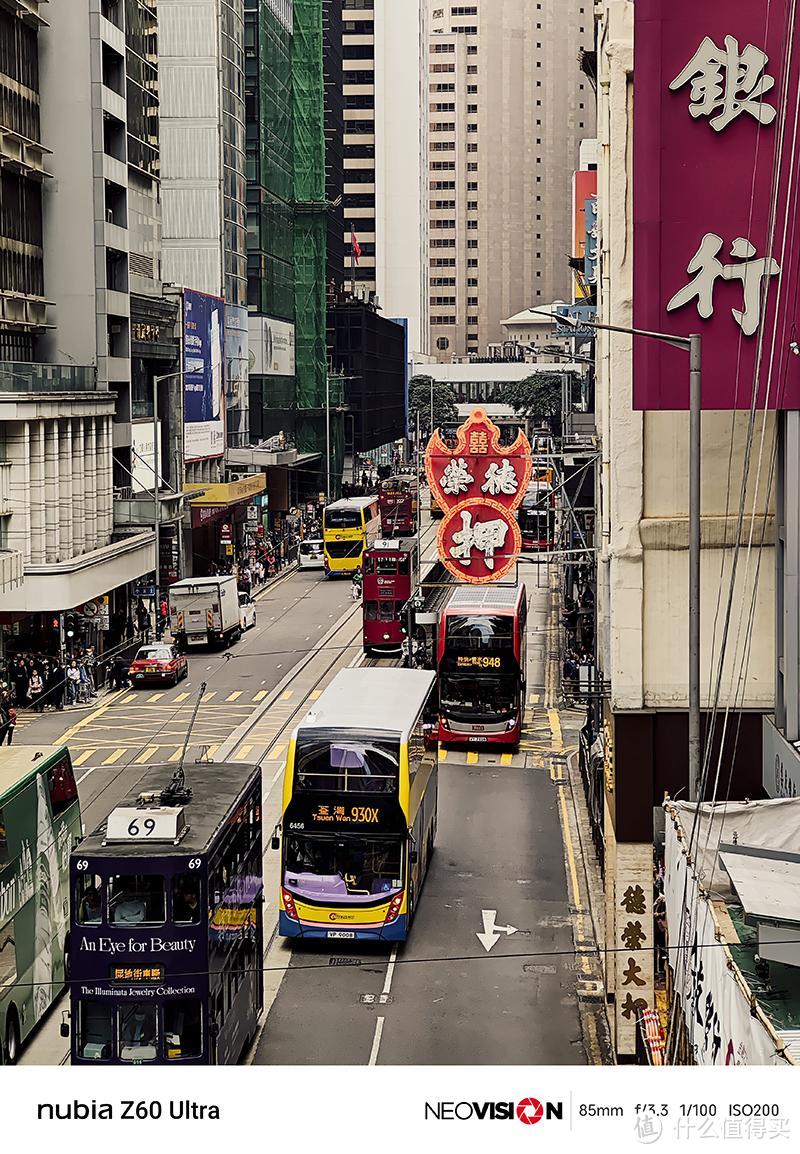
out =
column 472, row 758
column 243, row 752
column 211, row 750
column 176, row 756
column 83, row 778
column 491, row 931
column 114, row 757
column 276, row 754
column 505, row 758
column 287, row 694
column 155, row 697
column 261, row 695
column 146, row 754
column 127, row 700
column 234, row 696
column 533, row 699
column 207, row 696
column 87, row 753
column 387, row 985
column 376, row 1042
column 442, row 754
column 79, row 725
column 315, row 695
column 182, row 697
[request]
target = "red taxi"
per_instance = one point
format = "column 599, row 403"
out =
column 159, row 663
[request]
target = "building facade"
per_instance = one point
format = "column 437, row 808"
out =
column 507, row 108
column 385, row 146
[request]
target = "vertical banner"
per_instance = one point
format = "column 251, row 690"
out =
column 716, row 237
column 203, row 363
column 633, row 942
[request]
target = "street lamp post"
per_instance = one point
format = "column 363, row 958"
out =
column 179, row 375
column 693, row 346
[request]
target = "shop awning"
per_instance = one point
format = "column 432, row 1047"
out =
column 224, row 494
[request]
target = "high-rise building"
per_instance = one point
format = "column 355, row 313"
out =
column 385, row 148
column 507, row 109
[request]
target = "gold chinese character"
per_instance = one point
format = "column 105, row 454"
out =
column 479, row 442
column 338, row 810
column 323, row 811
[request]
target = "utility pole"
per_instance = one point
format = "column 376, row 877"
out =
column 695, row 445
column 328, row 438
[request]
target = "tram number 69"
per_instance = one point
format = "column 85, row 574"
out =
column 141, row 829
column 140, row 1110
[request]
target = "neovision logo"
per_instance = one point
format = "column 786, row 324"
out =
column 529, row 1111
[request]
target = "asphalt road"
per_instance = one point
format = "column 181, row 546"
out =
column 441, row 998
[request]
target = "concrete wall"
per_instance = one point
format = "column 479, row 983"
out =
column 643, row 527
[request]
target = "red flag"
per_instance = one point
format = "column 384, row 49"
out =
column 355, row 245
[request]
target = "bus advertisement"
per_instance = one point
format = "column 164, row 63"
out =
column 390, row 569
column 399, row 500
column 482, row 665
column 166, row 931
column 359, row 808
column 40, row 821
column 537, row 518
column 349, row 528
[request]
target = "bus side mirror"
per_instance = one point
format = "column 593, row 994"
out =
column 414, row 857
column 63, row 1029
column 275, row 843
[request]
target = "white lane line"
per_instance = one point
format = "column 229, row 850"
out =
column 376, row 1042
column 387, row 985
column 85, row 775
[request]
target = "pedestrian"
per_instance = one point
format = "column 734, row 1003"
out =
column 89, row 664
column 36, row 691
column 119, row 673
column 10, row 724
column 73, row 682
column 57, row 685
column 364, row 480
column 355, row 589
column 21, row 681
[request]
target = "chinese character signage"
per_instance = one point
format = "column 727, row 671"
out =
column 633, row 944
column 479, row 485
column 716, row 243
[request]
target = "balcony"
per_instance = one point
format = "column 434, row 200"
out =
column 136, row 509
column 12, row 570
column 23, row 377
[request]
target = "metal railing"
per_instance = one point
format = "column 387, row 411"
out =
column 22, row 377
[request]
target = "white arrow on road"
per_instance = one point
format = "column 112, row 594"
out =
column 491, row 932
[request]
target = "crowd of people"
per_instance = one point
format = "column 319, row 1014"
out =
column 577, row 620
column 39, row 682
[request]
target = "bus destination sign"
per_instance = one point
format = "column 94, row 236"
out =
column 129, row 974
column 478, row 662
column 340, row 815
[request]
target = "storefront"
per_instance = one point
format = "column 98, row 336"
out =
column 224, row 522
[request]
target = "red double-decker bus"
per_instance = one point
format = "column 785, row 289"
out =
column 537, row 518
column 390, row 569
column 482, row 665
column 399, row 499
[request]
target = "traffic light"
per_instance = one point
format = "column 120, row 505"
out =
column 70, row 625
column 55, row 624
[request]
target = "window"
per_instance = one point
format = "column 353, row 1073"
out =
column 440, row 301
column 472, row 109
column 443, row 281
column 443, row 146
column 472, row 50
column 443, row 242
column 472, row 128
column 443, row 126
column 466, row 29
column 95, row 1030
column 444, row 88
column 136, row 899
column 443, row 67
column 472, row 302
column 472, row 281
column 186, row 899
column 443, row 166
column 443, row 262
column 461, row 10
column 472, row 206
column 89, row 899
column 439, row 48
column 443, row 224
column 472, row 166
column 472, row 224
column 183, row 1035
column 325, row 763
column 472, row 148
column 472, row 244
column 472, row 89
column 442, row 185
column 472, row 263
column 472, row 321
column 472, row 70
column 138, row 1035
column 443, row 107
column 472, row 186
column 443, row 320
column 62, row 787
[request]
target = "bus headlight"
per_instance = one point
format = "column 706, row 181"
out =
column 393, row 912
column 289, row 907
column 511, row 725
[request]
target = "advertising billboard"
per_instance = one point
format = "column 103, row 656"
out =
column 716, row 242
column 271, row 347
column 203, row 362
column 143, row 456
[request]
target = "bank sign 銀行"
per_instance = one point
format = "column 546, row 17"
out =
column 716, row 241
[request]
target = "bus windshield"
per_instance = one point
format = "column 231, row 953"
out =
column 345, row 868
column 480, row 631
column 342, row 519
column 479, row 698
column 331, row 764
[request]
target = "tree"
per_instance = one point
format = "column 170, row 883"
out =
column 539, row 398
column 445, row 410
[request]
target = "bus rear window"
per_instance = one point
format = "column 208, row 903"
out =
column 342, row 519
column 346, row 764
column 62, row 787
column 136, row 898
column 479, row 631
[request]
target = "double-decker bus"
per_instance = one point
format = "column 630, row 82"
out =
column 166, row 922
column 482, row 665
column 537, row 518
column 390, row 569
column 40, row 820
column 399, row 499
column 359, row 807
column 349, row 528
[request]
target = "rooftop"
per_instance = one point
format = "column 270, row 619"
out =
column 371, row 700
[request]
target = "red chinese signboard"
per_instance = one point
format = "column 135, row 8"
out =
column 716, row 146
column 479, row 484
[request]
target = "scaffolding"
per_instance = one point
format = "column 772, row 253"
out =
column 310, row 243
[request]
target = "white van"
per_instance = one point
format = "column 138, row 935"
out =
column 311, row 554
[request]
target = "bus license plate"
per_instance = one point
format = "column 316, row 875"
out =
column 472, row 737
column 341, row 933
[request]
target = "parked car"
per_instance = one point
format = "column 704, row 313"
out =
column 247, row 611
column 311, row 554
column 159, row 664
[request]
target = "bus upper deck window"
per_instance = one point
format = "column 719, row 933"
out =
column 95, row 1030
column 89, row 899
column 186, row 899
column 136, row 898
column 62, row 787
column 386, row 566
column 137, row 1032
column 403, row 566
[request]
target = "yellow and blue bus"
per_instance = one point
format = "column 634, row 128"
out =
column 349, row 528
column 40, row 821
column 359, row 807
